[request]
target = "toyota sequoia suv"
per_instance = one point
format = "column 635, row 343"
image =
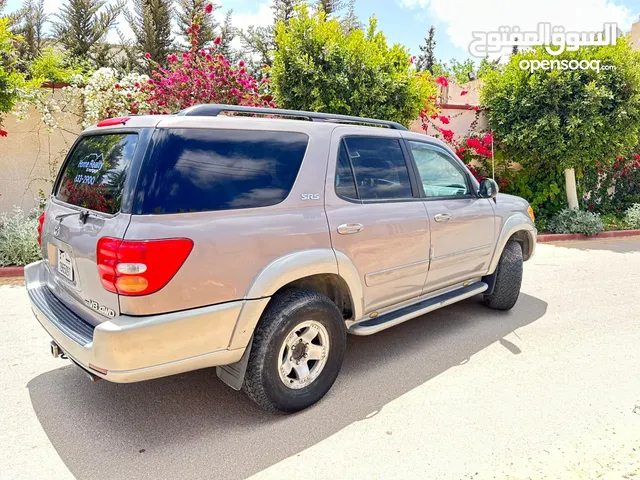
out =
column 253, row 240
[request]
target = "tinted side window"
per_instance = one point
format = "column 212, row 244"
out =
column 345, row 185
column 440, row 177
column 95, row 174
column 379, row 167
column 192, row 170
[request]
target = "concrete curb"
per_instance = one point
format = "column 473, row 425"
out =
column 561, row 237
column 11, row 271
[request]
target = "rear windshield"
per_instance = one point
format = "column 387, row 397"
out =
column 95, row 174
column 192, row 170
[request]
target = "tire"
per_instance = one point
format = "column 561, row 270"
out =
column 265, row 380
column 508, row 278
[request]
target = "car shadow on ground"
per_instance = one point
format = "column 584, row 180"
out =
column 193, row 426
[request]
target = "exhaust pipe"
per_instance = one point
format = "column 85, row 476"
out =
column 56, row 352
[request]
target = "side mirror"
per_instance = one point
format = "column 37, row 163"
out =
column 488, row 188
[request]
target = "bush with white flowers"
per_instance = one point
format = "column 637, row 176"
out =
column 104, row 94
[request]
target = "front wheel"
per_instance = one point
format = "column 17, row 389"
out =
column 298, row 348
column 508, row 278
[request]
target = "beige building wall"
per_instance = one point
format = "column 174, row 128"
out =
column 30, row 156
column 458, row 108
column 635, row 35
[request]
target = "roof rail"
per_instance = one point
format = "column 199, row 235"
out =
column 213, row 110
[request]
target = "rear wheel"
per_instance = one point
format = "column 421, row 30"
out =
column 298, row 348
column 508, row 278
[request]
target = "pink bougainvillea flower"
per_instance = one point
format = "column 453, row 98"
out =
column 241, row 63
column 117, row 86
column 208, row 8
column 217, row 40
column 172, row 58
column 476, row 108
column 447, row 134
column 442, row 81
column 487, row 139
column 412, row 60
column 3, row 133
column 637, row 156
column 464, row 92
column 433, row 116
column 147, row 55
column 444, row 119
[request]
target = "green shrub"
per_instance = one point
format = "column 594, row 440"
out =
column 613, row 221
column 320, row 67
column 576, row 221
column 632, row 216
column 53, row 66
column 18, row 238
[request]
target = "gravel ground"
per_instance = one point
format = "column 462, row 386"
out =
column 548, row 390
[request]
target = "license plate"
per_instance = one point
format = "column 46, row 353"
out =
column 65, row 267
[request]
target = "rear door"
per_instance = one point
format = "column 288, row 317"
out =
column 376, row 216
column 87, row 203
column 462, row 224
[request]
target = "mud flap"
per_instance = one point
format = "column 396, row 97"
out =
column 233, row 374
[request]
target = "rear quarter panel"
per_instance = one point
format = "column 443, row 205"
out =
column 231, row 247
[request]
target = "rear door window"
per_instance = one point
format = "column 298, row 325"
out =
column 193, row 170
column 94, row 175
column 379, row 166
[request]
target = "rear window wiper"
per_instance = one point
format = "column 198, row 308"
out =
column 84, row 214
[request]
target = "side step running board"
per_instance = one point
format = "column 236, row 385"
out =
column 391, row 319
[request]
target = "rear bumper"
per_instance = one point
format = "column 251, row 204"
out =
column 130, row 349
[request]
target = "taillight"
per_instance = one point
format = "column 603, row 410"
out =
column 140, row 267
column 40, row 226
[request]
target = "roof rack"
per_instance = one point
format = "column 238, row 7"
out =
column 213, row 110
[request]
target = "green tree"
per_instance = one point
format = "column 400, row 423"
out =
column 569, row 118
column 320, row 67
column 12, row 82
column 487, row 66
column 227, row 35
column 350, row 20
column 82, row 27
column 53, row 66
column 427, row 58
column 330, row 7
column 30, row 23
column 150, row 22
column 189, row 10
column 284, row 10
column 259, row 42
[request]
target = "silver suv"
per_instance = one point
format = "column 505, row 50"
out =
column 255, row 244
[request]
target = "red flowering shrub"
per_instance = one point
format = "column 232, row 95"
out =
column 611, row 188
column 202, row 76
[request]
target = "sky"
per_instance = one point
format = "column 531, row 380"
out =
column 407, row 21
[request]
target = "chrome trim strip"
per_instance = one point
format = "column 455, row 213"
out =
column 462, row 252
column 393, row 273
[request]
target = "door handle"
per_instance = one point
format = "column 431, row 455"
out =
column 350, row 228
column 443, row 217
